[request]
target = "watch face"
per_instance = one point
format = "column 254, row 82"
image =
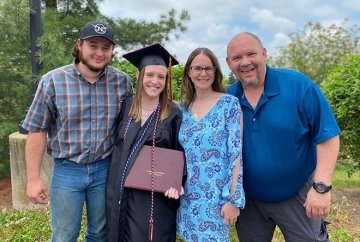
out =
column 320, row 187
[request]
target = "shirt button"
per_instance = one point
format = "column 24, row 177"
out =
column 254, row 119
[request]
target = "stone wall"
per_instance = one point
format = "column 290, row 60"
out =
column 17, row 143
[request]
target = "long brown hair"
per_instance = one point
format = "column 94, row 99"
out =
column 188, row 91
column 164, row 101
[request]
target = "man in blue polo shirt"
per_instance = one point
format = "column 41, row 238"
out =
column 291, row 144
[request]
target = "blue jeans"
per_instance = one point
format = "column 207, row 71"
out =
column 72, row 185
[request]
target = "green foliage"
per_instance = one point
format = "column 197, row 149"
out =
column 177, row 76
column 6, row 128
column 61, row 28
column 316, row 49
column 322, row 54
column 14, row 62
column 342, row 87
column 74, row 7
column 15, row 46
column 14, row 96
column 15, row 69
column 15, row 72
column 62, row 21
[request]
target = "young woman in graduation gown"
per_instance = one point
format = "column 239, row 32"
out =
column 129, row 210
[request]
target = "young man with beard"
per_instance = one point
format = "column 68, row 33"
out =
column 290, row 147
column 73, row 116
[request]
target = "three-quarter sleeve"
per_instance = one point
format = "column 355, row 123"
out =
column 234, row 126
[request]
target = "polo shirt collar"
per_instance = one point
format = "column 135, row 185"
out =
column 272, row 85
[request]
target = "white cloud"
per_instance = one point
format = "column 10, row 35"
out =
column 325, row 11
column 140, row 10
column 214, row 23
column 267, row 21
column 279, row 39
column 354, row 5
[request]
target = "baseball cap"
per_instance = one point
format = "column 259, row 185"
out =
column 154, row 54
column 97, row 29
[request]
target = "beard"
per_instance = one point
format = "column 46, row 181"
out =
column 250, row 83
column 255, row 81
column 89, row 66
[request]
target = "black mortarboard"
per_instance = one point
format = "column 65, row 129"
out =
column 154, row 54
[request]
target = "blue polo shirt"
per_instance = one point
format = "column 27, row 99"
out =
column 281, row 134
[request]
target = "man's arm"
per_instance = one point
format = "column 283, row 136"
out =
column 327, row 154
column 34, row 153
column 318, row 205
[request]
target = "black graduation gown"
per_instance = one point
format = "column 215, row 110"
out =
column 128, row 220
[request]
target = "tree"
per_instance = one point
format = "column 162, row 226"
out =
column 342, row 87
column 74, row 7
column 62, row 29
column 15, row 72
column 316, row 49
column 61, row 24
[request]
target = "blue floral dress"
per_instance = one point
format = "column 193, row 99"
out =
column 212, row 146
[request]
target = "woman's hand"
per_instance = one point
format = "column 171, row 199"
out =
column 174, row 193
column 230, row 213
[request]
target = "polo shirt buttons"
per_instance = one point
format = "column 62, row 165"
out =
column 254, row 119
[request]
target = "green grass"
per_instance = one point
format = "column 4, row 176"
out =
column 342, row 179
column 25, row 225
column 29, row 225
column 34, row 225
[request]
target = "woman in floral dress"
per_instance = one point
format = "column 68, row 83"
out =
column 211, row 135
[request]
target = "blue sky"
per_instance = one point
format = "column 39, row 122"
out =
column 213, row 23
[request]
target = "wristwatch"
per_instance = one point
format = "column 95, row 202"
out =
column 321, row 187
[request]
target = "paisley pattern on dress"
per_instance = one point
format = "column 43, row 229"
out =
column 212, row 146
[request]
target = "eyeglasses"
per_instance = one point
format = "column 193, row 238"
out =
column 207, row 69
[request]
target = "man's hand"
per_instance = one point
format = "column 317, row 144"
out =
column 317, row 205
column 37, row 192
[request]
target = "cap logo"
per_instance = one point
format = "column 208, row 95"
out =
column 99, row 28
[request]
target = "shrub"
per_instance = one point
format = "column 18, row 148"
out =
column 342, row 87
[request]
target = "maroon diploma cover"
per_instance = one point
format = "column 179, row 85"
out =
column 168, row 172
